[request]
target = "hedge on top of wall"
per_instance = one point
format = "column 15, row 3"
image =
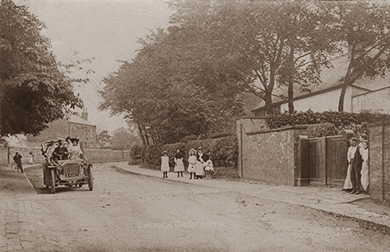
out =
column 223, row 151
column 320, row 130
column 342, row 120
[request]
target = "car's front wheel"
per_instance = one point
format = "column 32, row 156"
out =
column 53, row 181
column 90, row 178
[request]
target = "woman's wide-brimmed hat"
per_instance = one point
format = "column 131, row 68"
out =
column 165, row 152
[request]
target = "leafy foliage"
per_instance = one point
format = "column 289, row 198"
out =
column 323, row 129
column 157, row 92
column 223, row 151
column 341, row 120
column 123, row 139
column 365, row 27
column 252, row 41
column 34, row 91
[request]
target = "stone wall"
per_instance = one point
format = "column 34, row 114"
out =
column 269, row 155
column 379, row 161
column 107, row 155
column 93, row 155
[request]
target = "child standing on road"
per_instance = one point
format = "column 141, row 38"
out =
column 165, row 164
column 179, row 165
column 192, row 162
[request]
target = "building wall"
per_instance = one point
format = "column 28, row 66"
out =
column 86, row 134
column 269, row 156
column 379, row 161
column 377, row 101
column 328, row 101
column 63, row 128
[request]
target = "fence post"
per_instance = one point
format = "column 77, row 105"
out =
column 302, row 162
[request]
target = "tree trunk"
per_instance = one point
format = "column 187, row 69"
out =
column 291, row 79
column 141, row 134
column 268, row 104
column 146, row 136
column 342, row 96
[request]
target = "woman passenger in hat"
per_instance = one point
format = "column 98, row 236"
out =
column 74, row 149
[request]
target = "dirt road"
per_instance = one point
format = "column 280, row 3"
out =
column 127, row 212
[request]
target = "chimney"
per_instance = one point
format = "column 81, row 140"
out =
column 84, row 115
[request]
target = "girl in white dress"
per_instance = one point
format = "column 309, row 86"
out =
column 364, row 172
column 165, row 164
column 179, row 165
column 192, row 162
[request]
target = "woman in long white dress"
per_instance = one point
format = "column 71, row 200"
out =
column 364, row 171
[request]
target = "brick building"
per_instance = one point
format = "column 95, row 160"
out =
column 75, row 126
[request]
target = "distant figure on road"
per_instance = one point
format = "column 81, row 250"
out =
column 18, row 161
column 179, row 165
column 165, row 164
column 30, row 158
column 192, row 163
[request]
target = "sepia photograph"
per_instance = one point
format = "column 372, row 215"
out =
column 194, row 125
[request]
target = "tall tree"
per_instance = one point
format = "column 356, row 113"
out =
column 262, row 44
column 364, row 27
column 34, row 91
column 159, row 91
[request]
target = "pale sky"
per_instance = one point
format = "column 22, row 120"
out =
column 106, row 30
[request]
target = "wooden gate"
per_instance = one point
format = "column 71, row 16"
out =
column 327, row 160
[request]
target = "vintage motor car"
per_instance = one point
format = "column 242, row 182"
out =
column 72, row 173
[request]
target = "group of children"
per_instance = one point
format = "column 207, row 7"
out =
column 198, row 163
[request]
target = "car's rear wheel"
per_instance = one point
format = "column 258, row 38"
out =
column 53, row 181
column 90, row 178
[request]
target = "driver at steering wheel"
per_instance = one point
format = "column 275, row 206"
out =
column 61, row 152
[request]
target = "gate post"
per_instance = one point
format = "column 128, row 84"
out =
column 302, row 162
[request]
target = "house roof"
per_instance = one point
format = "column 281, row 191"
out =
column 79, row 120
column 331, row 78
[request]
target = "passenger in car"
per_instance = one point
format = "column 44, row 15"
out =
column 61, row 152
column 75, row 151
